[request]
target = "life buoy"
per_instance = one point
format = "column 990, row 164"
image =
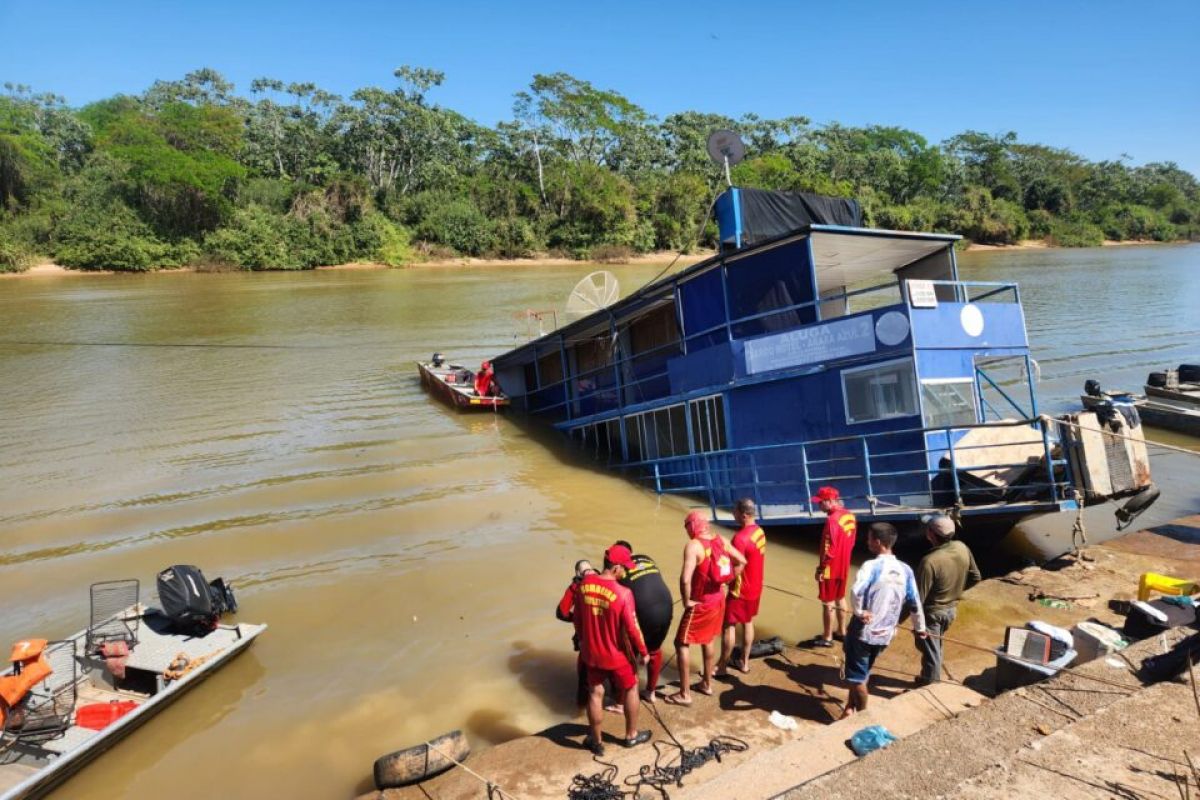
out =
column 1135, row 505
column 415, row 764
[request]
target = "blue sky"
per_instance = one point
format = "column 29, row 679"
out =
column 1101, row 78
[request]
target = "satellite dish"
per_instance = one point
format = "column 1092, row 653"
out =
column 725, row 147
column 596, row 291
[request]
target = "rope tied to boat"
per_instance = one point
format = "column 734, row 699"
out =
column 1079, row 530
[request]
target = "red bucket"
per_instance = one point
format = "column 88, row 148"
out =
column 100, row 715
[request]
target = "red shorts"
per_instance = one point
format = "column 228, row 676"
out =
column 832, row 590
column 623, row 677
column 740, row 610
column 701, row 624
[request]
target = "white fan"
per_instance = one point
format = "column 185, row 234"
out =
column 596, row 291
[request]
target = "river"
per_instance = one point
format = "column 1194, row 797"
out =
column 271, row 429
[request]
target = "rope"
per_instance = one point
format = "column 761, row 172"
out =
column 976, row 647
column 1078, row 530
column 493, row 789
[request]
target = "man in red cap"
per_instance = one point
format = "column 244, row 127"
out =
column 606, row 619
column 833, row 570
column 709, row 563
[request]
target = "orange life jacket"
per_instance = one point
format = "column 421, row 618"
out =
column 30, row 668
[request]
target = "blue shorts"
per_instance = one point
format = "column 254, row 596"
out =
column 860, row 656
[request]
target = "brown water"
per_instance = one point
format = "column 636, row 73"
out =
column 270, row 428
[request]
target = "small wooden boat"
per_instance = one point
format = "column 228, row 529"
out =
column 1171, row 400
column 456, row 385
column 415, row 764
column 85, row 705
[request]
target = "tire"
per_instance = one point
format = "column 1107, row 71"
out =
column 1189, row 373
column 1157, row 379
column 1135, row 505
column 415, row 764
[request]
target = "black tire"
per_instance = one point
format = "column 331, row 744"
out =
column 1189, row 373
column 1157, row 379
column 1135, row 505
column 415, row 764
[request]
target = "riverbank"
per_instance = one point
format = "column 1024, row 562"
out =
column 1016, row 740
column 661, row 258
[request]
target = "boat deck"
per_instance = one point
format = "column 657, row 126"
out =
column 30, row 768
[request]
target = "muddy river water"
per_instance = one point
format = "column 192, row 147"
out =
column 271, row 429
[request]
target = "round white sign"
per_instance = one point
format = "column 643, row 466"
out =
column 891, row 328
column 972, row 320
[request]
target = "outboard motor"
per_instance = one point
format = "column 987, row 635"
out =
column 1092, row 388
column 438, row 359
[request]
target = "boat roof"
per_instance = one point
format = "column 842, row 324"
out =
column 844, row 256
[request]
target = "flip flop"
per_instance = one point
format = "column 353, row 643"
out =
column 743, row 668
column 699, row 687
column 818, row 642
column 641, row 737
column 676, row 700
column 597, row 748
column 615, row 708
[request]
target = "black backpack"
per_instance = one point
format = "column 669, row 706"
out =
column 191, row 603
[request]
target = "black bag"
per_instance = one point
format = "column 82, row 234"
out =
column 1139, row 625
column 187, row 599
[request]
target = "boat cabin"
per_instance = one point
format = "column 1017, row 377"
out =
column 831, row 354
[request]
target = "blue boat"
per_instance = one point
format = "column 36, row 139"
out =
column 812, row 351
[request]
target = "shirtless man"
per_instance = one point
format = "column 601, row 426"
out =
column 709, row 563
column 741, row 607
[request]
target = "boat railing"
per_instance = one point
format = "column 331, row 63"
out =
column 875, row 471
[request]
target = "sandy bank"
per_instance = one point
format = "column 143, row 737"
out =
column 1042, row 244
column 50, row 269
column 954, row 717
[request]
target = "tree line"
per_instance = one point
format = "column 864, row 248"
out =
column 291, row 176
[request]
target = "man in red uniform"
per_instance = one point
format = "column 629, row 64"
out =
column 708, row 564
column 484, row 380
column 565, row 611
column 605, row 617
column 741, row 607
column 837, row 543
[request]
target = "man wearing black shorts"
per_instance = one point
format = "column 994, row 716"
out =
column 655, row 608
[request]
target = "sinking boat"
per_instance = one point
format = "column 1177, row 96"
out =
column 101, row 683
column 460, row 387
column 813, row 351
column 1171, row 400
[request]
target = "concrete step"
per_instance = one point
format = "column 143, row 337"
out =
column 817, row 751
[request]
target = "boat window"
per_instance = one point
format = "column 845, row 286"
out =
column 779, row 278
column 661, row 433
column 880, row 392
column 949, row 403
column 550, row 368
column 708, row 424
column 655, row 329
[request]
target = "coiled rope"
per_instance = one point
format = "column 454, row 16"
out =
column 658, row 775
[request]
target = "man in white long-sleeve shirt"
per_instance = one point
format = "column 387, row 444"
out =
column 883, row 587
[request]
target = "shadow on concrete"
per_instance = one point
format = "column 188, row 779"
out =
column 570, row 735
column 549, row 675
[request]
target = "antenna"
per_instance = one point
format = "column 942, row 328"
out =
column 725, row 147
column 594, row 292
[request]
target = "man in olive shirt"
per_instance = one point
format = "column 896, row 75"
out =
column 942, row 576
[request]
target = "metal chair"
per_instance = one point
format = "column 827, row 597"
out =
column 46, row 711
column 110, row 619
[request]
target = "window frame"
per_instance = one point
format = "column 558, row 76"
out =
column 914, row 385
